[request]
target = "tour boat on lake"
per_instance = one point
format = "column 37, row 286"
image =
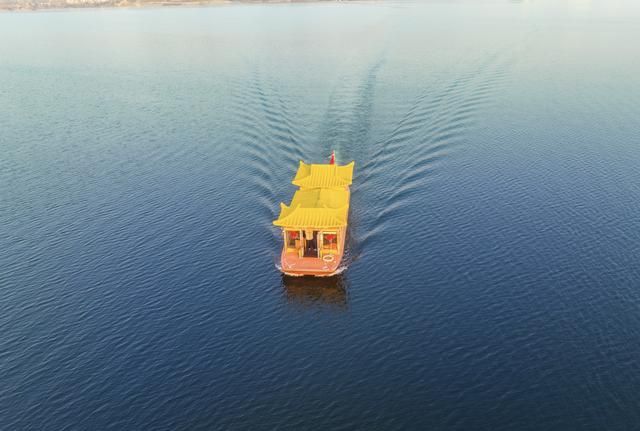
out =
column 314, row 225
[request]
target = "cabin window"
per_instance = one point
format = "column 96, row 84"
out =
column 329, row 241
column 293, row 238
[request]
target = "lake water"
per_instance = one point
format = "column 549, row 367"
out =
column 493, row 280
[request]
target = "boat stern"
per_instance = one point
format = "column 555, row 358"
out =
column 294, row 265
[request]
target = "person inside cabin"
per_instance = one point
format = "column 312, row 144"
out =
column 311, row 247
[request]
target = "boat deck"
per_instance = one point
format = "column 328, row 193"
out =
column 292, row 264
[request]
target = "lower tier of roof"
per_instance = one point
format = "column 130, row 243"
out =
column 317, row 208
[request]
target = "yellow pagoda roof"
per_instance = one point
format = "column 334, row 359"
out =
column 325, row 176
column 316, row 208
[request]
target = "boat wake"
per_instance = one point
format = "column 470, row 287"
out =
column 435, row 125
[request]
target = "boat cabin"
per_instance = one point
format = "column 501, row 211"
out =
column 311, row 243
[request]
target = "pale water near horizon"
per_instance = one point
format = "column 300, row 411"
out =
column 492, row 280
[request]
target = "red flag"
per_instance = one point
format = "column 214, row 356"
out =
column 332, row 160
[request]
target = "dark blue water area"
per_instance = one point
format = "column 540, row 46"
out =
column 491, row 281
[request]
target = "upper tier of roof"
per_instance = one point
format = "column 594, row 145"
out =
column 324, row 176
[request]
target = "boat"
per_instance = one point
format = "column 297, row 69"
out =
column 314, row 224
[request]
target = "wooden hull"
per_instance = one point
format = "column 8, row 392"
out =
column 298, row 266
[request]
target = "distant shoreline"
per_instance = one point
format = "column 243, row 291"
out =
column 39, row 5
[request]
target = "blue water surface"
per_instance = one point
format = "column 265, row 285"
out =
column 492, row 281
